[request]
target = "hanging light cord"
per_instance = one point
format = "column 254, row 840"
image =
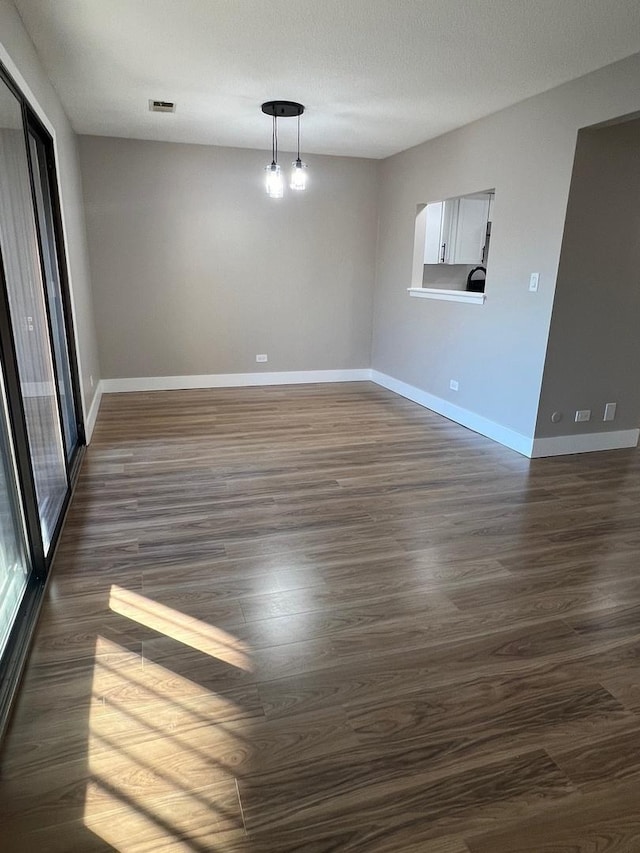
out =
column 298, row 137
column 274, row 140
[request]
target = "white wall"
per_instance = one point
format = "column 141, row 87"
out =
column 496, row 351
column 195, row 270
column 18, row 55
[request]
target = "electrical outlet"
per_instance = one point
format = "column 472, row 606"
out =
column 583, row 415
column 453, row 384
column 534, row 280
column 609, row 412
column 262, row 358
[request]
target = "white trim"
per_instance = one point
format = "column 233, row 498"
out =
column 447, row 295
column 92, row 414
column 233, row 380
column 562, row 445
column 509, row 438
column 533, row 448
column 503, row 435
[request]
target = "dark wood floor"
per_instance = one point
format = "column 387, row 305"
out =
column 323, row 619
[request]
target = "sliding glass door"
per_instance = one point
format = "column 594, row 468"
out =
column 40, row 419
column 28, row 310
column 41, row 167
column 14, row 562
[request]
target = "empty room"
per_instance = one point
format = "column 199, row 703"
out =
column 319, row 420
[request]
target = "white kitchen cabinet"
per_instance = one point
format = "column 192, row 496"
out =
column 471, row 229
column 439, row 217
column 456, row 229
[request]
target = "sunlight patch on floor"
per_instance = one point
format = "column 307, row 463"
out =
column 161, row 760
column 178, row 823
column 185, row 629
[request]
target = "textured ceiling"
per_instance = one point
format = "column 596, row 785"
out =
column 377, row 76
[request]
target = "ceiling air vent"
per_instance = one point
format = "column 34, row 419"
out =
column 162, row 106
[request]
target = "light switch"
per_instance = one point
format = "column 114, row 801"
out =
column 534, row 281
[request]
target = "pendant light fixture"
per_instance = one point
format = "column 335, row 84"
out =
column 298, row 173
column 274, row 182
column 275, row 185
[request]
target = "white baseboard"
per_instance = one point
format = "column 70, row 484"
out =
column 514, row 440
column 562, row 445
column 533, row 448
column 233, row 380
column 92, row 414
column 523, row 444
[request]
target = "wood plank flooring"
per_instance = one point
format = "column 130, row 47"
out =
column 321, row 618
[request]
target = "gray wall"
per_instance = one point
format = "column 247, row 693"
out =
column 495, row 351
column 18, row 53
column 593, row 356
column 196, row 270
